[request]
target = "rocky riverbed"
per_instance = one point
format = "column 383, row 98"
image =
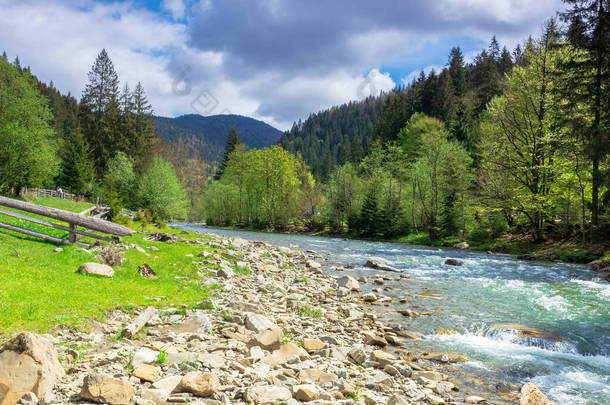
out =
column 277, row 330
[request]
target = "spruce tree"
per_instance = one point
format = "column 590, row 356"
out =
column 368, row 222
column 99, row 110
column 232, row 142
column 77, row 171
column 589, row 31
column 457, row 71
column 146, row 139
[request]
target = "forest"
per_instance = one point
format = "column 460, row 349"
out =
column 105, row 146
column 515, row 142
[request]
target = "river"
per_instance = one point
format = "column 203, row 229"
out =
column 487, row 290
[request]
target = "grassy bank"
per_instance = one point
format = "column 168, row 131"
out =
column 41, row 288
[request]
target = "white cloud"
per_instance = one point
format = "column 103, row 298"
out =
column 176, row 7
column 248, row 66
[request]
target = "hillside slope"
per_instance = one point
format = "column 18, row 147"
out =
column 208, row 134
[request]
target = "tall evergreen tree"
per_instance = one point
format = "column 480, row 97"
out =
column 232, row 143
column 394, row 116
column 589, row 30
column 77, row 171
column 457, row 71
column 146, row 139
column 99, row 110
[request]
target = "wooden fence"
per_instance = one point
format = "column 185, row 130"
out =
column 43, row 192
column 73, row 219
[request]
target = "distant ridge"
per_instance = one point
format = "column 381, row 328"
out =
column 208, row 134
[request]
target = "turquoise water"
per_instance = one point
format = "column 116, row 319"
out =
column 492, row 289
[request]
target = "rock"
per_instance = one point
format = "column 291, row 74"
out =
column 29, row 398
column 306, row 392
column 146, row 372
column 144, row 355
column 430, row 375
column 105, row 390
column 313, row 345
column 380, row 265
column 311, row 264
column 446, row 357
column 225, row 272
column 258, row 323
column 348, row 282
column 369, row 297
column 531, row 395
column 399, row 400
column 473, row 399
column 168, row 384
column 531, row 336
column 435, row 400
column 382, row 357
column 380, row 378
column 156, row 395
column 28, row 363
column 358, row 355
column 58, row 250
column 111, row 256
column 454, row 262
column 270, row 339
column 200, row 384
column 314, row 375
column 96, row 269
column 147, row 272
column 268, row 394
column 461, row 245
column 391, row 370
column 374, row 340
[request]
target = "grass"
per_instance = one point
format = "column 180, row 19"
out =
column 310, row 312
column 42, row 289
column 62, row 204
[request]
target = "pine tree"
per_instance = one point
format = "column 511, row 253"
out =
column 146, row 139
column 99, row 110
column 128, row 123
column 394, row 116
column 77, row 171
column 589, row 30
column 457, row 71
column 368, row 222
column 232, row 142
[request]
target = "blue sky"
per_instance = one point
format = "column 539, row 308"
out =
column 275, row 60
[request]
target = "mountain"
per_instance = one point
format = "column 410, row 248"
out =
column 338, row 135
column 208, row 134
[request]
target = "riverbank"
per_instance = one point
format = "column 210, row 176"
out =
column 518, row 245
column 268, row 326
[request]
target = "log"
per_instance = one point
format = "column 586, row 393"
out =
column 132, row 329
column 88, row 210
column 96, row 224
column 39, row 235
column 56, row 226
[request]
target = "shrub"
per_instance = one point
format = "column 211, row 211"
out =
column 161, row 191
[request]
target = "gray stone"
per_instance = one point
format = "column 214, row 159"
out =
column 96, row 269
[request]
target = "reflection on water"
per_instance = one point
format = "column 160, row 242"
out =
column 561, row 299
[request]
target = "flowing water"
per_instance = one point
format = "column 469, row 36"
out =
column 571, row 364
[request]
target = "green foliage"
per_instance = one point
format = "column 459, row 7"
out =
column 260, row 188
column 77, row 171
column 232, row 143
column 161, row 191
column 28, row 151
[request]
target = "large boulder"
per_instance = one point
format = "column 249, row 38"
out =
column 200, row 384
column 96, row 269
column 348, row 282
column 28, row 363
column 381, row 265
column 105, row 390
column 269, row 394
column 531, row 395
column 454, row 262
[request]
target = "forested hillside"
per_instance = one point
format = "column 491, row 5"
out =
column 208, row 134
column 456, row 95
column 335, row 136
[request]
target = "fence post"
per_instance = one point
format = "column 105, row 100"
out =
column 72, row 237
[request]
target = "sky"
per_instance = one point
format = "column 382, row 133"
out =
column 274, row 60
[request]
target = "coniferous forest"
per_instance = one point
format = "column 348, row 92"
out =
column 512, row 145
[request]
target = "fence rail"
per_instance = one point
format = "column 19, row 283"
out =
column 43, row 192
column 74, row 220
